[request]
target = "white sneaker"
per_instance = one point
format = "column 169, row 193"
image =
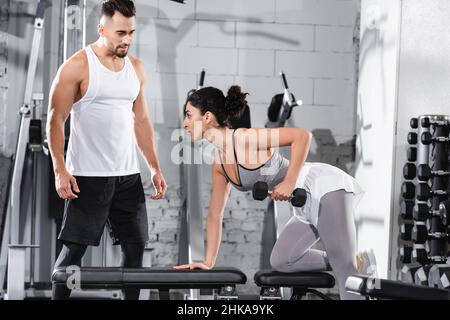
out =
column 366, row 263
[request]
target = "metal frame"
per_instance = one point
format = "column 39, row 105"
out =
column 16, row 249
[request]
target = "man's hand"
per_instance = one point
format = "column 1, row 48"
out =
column 194, row 265
column 65, row 183
column 160, row 186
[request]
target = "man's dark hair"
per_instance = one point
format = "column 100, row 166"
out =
column 125, row 7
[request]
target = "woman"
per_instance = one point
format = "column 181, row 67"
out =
column 246, row 156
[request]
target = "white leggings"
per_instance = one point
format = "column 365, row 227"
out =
column 336, row 228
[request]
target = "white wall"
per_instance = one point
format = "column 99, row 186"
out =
column 376, row 124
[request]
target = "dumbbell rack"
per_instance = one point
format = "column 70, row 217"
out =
column 424, row 233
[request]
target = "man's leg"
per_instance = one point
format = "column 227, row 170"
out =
column 71, row 254
column 129, row 224
column 132, row 255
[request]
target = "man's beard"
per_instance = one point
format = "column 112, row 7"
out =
column 121, row 54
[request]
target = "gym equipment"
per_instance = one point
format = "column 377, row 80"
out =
column 409, row 171
column 428, row 121
column 427, row 138
column 408, row 190
column 439, row 276
column 261, row 191
column 444, row 209
column 191, row 244
column 281, row 106
column 422, row 212
column 428, row 161
column 419, row 232
column 424, row 173
column 412, row 138
column 201, row 82
column 405, row 254
column 421, row 275
column 405, row 231
column 301, row 283
column 224, row 280
column 406, row 209
column 408, row 271
column 13, row 248
column 420, row 253
column 424, row 192
column 438, row 238
column 389, row 289
column 412, row 154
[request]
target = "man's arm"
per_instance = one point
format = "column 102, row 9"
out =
column 62, row 96
column 144, row 132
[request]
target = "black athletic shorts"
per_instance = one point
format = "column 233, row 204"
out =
column 117, row 202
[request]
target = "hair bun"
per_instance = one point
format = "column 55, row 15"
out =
column 235, row 102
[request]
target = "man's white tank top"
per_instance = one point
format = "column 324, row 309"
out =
column 102, row 141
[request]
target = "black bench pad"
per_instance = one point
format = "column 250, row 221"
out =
column 272, row 278
column 153, row 278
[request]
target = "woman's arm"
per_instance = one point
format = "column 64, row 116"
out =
column 298, row 139
column 219, row 196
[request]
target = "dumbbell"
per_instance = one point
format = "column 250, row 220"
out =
column 414, row 123
column 405, row 254
column 439, row 276
column 424, row 172
column 411, row 154
column 408, row 190
column 427, row 138
column 261, row 191
column 406, row 231
column 421, row 275
column 406, row 209
column 421, row 212
column 420, row 254
column 412, row 138
column 424, row 192
column 438, row 259
column 425, row 123
column 419, row 233
column 444, row 210
column 409, row 171
column 408, row 271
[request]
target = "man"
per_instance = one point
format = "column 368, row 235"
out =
column 103, row 90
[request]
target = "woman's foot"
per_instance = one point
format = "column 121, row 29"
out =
column 366, row 263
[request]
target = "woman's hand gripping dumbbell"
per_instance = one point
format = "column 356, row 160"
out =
column 261, row 191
